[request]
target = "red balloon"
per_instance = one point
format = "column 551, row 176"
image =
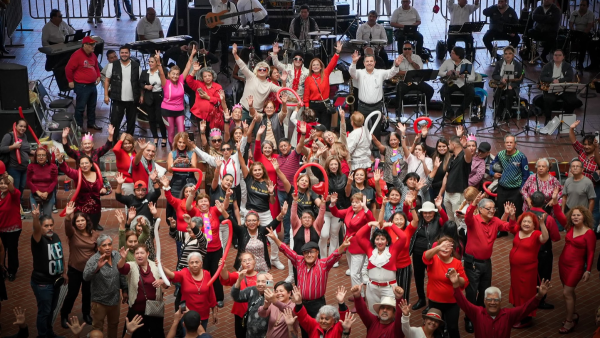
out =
column 291, row 104
column 196, row 170
column 225, row 252
column 487, row 191
column 416, row 124
column 322, row 188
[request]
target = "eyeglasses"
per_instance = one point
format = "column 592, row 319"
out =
column 409, row 48
column 298, row 59
column 311, row 252
column 216, row 140
column 91, row 44
column 492, row 209
column 225, row 149
column 262, row 69
column 493, row 300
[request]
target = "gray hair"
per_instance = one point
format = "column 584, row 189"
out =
column 261, row 273
column 198, row 221
column 543, row 159
column 194, row 254
column 492, row 290
column 136, row 220
column 200, row 76
column 329, row 311
column 103, row 238
column 484, row 202
column 510, row 135
column 261, row 64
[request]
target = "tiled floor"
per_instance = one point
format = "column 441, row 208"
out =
column 116, row 33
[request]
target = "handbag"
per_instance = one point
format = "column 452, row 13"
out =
column 328, row 105
column 154, row 308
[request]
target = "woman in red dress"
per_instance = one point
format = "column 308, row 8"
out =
column 580, row 245
column 208, row 95
column 530, row 234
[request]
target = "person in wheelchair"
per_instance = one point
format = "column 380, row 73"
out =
column 507, row 82
column 455, row 82
column 411, row 62
column 558, row 71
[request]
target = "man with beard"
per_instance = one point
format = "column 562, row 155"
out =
column 123, row 78
column 384, row 324
column 48, row 270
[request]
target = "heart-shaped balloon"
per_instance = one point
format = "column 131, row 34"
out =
column 319, row 188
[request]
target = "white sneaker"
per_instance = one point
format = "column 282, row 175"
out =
column 278, row 265
column 337, row 264
column 289, row 279
column 348, row 272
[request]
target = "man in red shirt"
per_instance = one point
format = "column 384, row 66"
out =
column 384, row 324
column 493, row 321
column 83, row 74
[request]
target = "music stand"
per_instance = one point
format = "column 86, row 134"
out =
column 409, row 29
column 471, row 27
column 418, row 76
column 558, row 88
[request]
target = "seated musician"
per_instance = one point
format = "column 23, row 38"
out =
column 371, row 30
column 582, row 21
column 222, row 33
column 54, row 32
column 252, row 18
column 411, row 62
column 407, row 15
column 149, row 27
column 558, row 71
column 301, row 26
column 460, row 14
column 500, row 15
column 511, row 82
column 461, row 82
column 546, row 20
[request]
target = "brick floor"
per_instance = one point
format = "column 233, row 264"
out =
column 116, row 33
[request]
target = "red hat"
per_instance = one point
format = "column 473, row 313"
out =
column 2, row 168
column 88, row 39
column 140, row 184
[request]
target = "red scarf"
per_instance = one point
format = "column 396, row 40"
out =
column 297, row 75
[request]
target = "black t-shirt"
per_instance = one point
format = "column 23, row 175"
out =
column 48, row 264
column 258, row 195
column 306, row 201
column 140, row 205
column 219, row 195
column 458, row 174
column 367, row 191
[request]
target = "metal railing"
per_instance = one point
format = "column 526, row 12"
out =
column 81, row 9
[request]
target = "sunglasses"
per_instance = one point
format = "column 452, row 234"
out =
column 225, row 149
column 298, row 59
column 216, row 141
column 262, row 69
column 409, row 48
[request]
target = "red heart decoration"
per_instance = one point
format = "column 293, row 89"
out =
column 319, row 188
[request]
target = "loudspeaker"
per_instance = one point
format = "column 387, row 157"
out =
column 8, row 117
column 14, row 87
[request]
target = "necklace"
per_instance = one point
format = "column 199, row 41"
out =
column 201, row 280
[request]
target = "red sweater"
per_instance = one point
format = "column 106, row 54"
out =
column 374, row 327
column 201, row 300
column 123, row 160
column 180, row 210
column 403, row 258
column 312, row 327
column 42, row 177
column 204, row 107
column 353, row 224
column 9, row 209
column 82, row 68
column 483, row 234
column 311, row 93
column 364, row 241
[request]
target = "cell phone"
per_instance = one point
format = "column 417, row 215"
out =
column 191, row 136
column 270, row 283
column 396, row 157
column 182, row 307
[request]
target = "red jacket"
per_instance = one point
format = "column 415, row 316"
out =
column 353, row 224
column 396, row 247
column 203, row 108
column 311, row 93
column 312, row 327
column 82, row 68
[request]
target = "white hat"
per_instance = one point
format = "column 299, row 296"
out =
column 427, row 207
column 389, row 301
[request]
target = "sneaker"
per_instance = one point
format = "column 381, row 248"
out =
column 133, row 18
column 99, row 21
column 278, row 265
column 348, row 272
column 54, row 210
column 289, row 279
column 118, row 18
column 337, row 264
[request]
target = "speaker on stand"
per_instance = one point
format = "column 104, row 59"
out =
column 14, row 86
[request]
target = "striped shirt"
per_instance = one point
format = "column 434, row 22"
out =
column 288, row 164
column 515, row 169
column 311, row 281
column 188, row 245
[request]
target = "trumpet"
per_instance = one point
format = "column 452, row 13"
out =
column 449, row 80
column 350, row 99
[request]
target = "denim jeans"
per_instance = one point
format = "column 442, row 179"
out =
column 87, row 95
column 46, row 207
column 20, row 179
column 127, row 7
column 46, row 296
column 283, row 196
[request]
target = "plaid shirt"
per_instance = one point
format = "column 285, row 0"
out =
column 589, row 163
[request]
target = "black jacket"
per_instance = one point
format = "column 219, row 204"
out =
column 518, row 72
column 547, row 22
column 244, row 237
column 567, row 72
column 498, row 20
column 145, row 80
column 432, row 232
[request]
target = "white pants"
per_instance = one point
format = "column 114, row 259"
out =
column 224, row 235
column 374, row 292
column 331, row 232
column 356, row 264
column 388, row 6
column 452, row 203
column 290, row 267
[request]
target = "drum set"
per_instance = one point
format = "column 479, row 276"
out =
column 375, row 45
column 259, row 29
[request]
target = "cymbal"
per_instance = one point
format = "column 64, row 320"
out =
column 358, row 42
column 378, row 42
column 319, row 33
column 280, row 31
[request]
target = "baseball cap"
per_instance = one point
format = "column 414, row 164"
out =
column 484, row 147
column 140, row 184
column 88, row 39
column 320, row 127
column 309, row 246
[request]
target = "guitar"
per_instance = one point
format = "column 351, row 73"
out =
column 215, row 19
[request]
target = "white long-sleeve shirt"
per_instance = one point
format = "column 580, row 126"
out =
column 368, row 33
column 359, row 147
column 370, row 85
column 230, row 166
column 259, row 89
column 246, row 5
column 409, row 331
column 449, row 65
column 460, row 15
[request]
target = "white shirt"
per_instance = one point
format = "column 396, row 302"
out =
column 370, row 86
column 460, row 15
column 416, row 166
column 219, row 6
column 580, row 22
column 359, row 147
column 52, row 33
column 150, row 30
column 449, row 65
column 154, row 79
column 126, row 90
column 289, row 69
column 232, row 165
column 411, row 332
column 377, row 32
column 405, row 17
column 405, row 66
column 557, row 71
column 246, row 5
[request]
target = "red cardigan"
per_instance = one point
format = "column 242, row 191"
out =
column 353, row 224
column 42, row 177
column 123, row 160
column 364, row 241
column 312, row 327
column 9, row 209
column 311, row 93
column 202, row 108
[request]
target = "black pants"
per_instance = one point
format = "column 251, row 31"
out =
column 569, row 102
column 469, row 95
column 211, row 263
column 153, row 326
column 582, row 43
column 323, row 117
column 96, row 217
column 507, row 103
column 479, row 275
column 419, row 270
column 422, row 87
column 401, row 38
column 491, row 35
column 403, row 277
column 10, row 240
column 154, row 112
column 120, row 109
column 467, row 39
column 548, row 39
column 508, row 195
column 240, row 330
column 450, row 314
column 223, row 35
column 312, row 309
column 95, row 8
column 545, row 260
column 75, row 283
column 366, row 109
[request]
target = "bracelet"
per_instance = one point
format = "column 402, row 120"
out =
column 127, row 332
column 166, row 188
column 226, row 121
column 303, row 134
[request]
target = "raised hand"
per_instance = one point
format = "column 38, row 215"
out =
column 202, row 126
column 348, row 321
column 164, row 180
column 275, row 47
column 271, row 234
column 188, row 219
column 340, row 295
column 405, row 307
column 270, row 187
column 197, row 66
column 250, row 100
column 296, row 295
column 377, row 174
column 245, row 127
column 401, row 127
column 289, row 317
column 333, row 198
column 355, row 56
column 438, row 202
column 398, row 292
column 420, row 184
column 545, row 286
column 302, row 127
column 478, row 199
column 234, row 49
column 572, row 126
column 134, row 324
column 459, row 131
column 338, row 47
column 70, row 208
column 142, row 142
column 424, row 131
column 152, row 208
column 120, row 178
column 345, row 244
column 437, row 162
column 119, row 216
column 35, row 211
column 261, row 130
column 65, row 132
column 19, row 316
column 111, row 130
column 274, row 163
column 452, row 275
column 123, row 252
column 398, row 60
column 355, row 290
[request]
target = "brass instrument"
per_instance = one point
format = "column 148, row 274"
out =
column 350, row 99
column 396, row 78
column 497, row 84
column 545, row 86
column 449, row 80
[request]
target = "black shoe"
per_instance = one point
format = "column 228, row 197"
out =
column 63, row 323
column 502, row 234
column 469, row 326
column 425, row 310
column 12, row 277
column 87, row 319
column 99, row 227
column 94, row 126
column 220, row 304
column 545, row 306
column 421, row 303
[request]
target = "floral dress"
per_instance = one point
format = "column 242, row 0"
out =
column 534, row 184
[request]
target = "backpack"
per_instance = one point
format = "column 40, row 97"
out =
column 5, row 157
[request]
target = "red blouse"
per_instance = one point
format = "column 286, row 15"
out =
column 180, row 210
column 403, row 258
column 198, row 295
column 364, row 241
column 311, row 93
column 353, row 224
column 123, row 161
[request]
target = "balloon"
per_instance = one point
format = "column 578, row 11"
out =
column 17, row 151
column 225, row 252
column 366, row 123
column 321, row 188
column 416, row 124
column 28, row 126
column 289, row 104
column 157, row 238
column 184, row 170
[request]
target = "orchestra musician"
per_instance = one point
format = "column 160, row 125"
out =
column 511, row 83
column 409, row 16
column 582, row 21
column 460, row 14
column 411, row 62
column 149, row 27
column 460, row 82
column 223, row 32
column 500, row 15
column 54, row 32
column 558, row 71
column 546, row 20
column 301, row 26
column 252, row 18
column 371, row 30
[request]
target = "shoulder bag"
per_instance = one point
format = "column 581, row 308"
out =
column 330, row 108
column 154, row 308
